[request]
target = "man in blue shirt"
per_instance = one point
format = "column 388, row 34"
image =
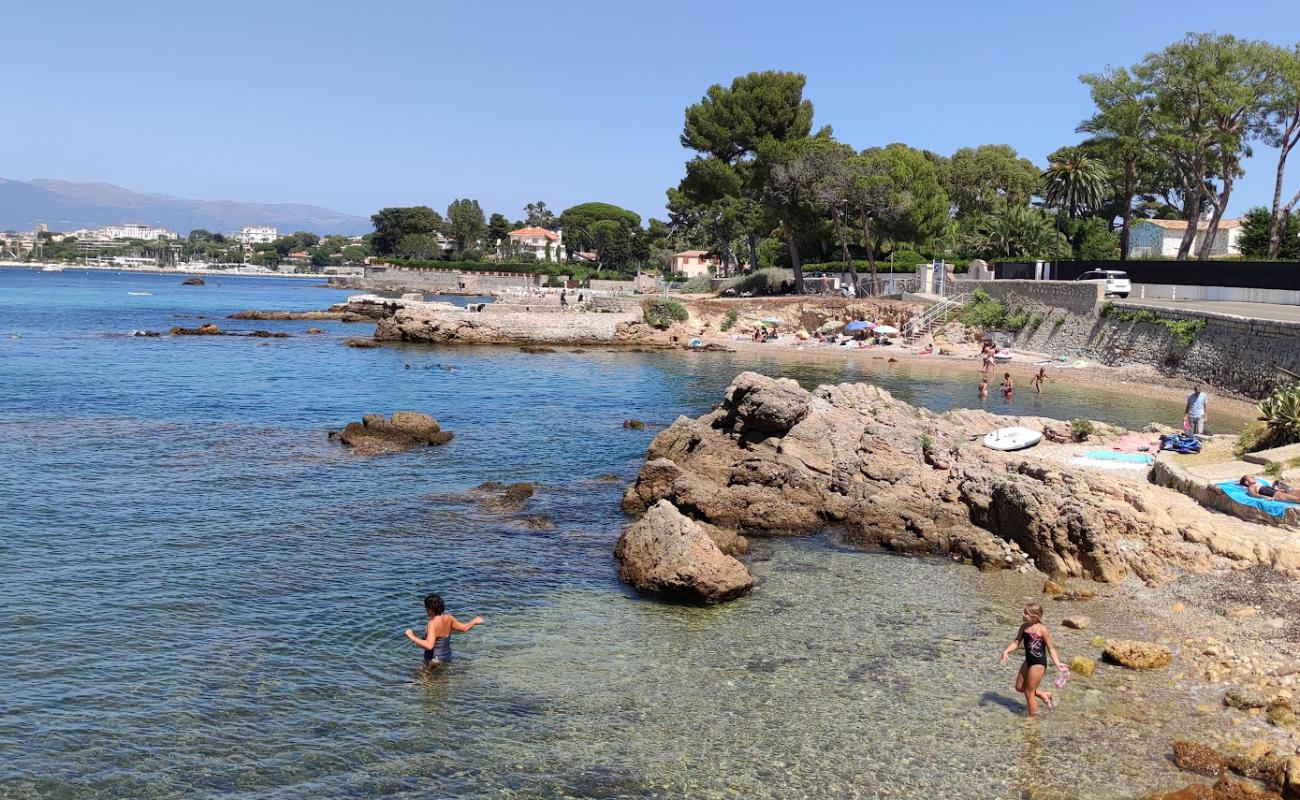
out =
column 1194, row 415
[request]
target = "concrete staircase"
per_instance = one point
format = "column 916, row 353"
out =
column 935, row 316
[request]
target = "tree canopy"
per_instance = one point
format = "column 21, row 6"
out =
column 391, row 224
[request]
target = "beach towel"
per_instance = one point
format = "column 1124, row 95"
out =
column 1238, row 493
column 1108, row 464
column 1112, row 455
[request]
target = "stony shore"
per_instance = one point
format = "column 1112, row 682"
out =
column 775, row 459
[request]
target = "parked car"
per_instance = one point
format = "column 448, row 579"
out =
column 1115, row 281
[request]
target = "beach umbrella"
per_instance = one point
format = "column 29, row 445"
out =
column 886, row 329
column 857, row 325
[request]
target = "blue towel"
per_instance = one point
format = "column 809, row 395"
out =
column 1112, row 455
column 1238, row 493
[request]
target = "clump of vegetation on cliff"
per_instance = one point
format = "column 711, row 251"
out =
column 661, row 313
column 1184, row 330
column 983, row 312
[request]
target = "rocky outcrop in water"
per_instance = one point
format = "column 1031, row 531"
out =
column 193, row 281
column 338, row 313
column 375, row 435
column 501, row 323
column 777, row 459
column 211, row 329
column 668, row 554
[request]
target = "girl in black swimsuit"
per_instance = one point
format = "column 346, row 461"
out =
column 1037, row 641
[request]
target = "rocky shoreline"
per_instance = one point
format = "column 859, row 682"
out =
column 776, row 459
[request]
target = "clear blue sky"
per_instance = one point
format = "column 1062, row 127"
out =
column 355, row 106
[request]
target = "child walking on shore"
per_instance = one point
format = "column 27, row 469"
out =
column 437, row 635
column 1037, row 641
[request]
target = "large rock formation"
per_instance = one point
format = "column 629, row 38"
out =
column 777, row 459
column 666, row 553
column 375, row 435
column 499, row 323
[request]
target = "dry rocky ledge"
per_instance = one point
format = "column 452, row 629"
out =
column 500, row 323
column 774, row 458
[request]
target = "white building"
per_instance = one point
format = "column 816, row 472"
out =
column 535, row 241
column 256, row 234
column 694, row 264
column 1159, row 238
column 135, row 230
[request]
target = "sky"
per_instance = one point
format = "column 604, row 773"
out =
column 356, row 106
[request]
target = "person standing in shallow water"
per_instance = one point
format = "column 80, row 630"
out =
column 437, row 635
column 1008, row 388
column 1037, row 641
column 984, row 388
column 1039, row 378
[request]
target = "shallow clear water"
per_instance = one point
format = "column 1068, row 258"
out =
column 202, row 596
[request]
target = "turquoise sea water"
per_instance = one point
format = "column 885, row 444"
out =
column 201, row 596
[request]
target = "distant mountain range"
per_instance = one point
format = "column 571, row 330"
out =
column 65, row 206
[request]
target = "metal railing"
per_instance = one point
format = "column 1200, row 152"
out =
column 938, row 312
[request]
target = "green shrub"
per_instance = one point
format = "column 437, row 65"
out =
column 1273, row 469
column 765, row 281
column 927, row 444
column 661, row 313
column 983, row 311
column 730, row 321
column 1250, row 438
column 699, row 285
column 1081, row 429
column 1280, row 412
column 1017, row 321
column 553, row 283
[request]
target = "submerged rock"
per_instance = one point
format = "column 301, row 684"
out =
column 1196, row 757
column 1077, row 622
column 633, row 424
column 532, row 348
column 666, row 553
column 1083, row 666
column 1245, row 698
column 375, row 435
column 1137, row 655
column 194, row 280
column 357, row 341
column 505, row 498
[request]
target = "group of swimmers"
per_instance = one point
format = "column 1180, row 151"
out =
column 1009, row 386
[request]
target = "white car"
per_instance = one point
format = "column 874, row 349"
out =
column 1115, row 281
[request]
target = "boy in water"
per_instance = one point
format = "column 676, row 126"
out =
column 984, row 388
column 1037, row 640
column 1007, row 386
column 437, row 635
column 1039, row 378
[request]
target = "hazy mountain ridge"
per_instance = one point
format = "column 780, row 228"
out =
column 64, row 205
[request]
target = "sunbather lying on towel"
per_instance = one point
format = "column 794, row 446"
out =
column 1277, row 491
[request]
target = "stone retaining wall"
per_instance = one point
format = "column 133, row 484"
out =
column 1237, row 353
column 1074, row 296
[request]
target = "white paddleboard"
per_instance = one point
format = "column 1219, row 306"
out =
column 1012, row 439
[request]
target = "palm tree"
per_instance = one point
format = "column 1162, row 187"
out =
column 1017, row 232
column 1074, row 181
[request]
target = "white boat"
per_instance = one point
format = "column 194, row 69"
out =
column 141, row 294
column 1014, row 438
column 52, row 268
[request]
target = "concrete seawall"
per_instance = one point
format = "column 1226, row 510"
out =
column 1240, row 354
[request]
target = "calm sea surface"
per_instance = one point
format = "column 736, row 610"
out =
column 201, row 596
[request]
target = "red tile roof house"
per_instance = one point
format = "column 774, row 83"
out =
column 535, row 240
column 1157, row 238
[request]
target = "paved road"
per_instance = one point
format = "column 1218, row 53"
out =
column 1255, row 310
